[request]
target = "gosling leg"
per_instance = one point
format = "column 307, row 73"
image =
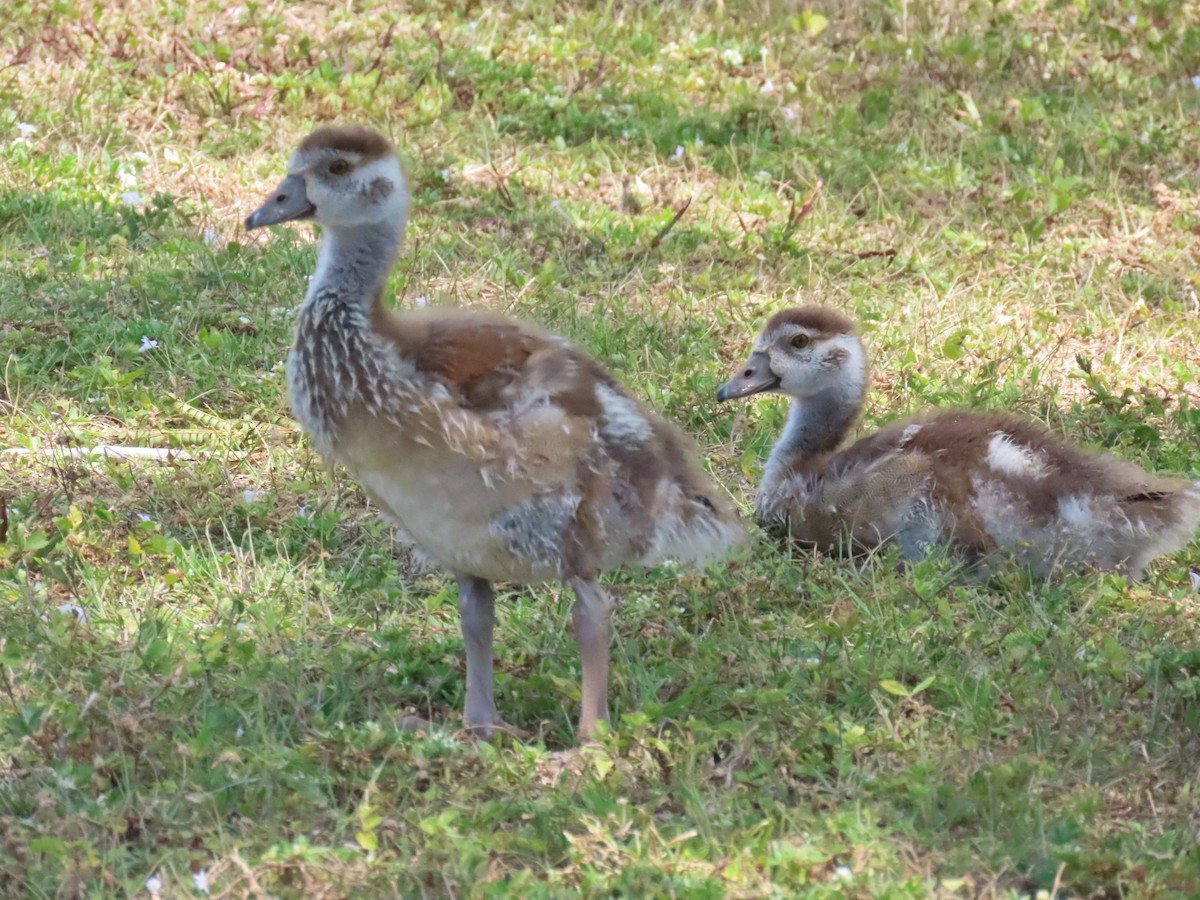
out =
column 477, row 608
column 591, row 614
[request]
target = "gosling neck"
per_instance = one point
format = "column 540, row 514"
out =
column 815, row 425
column 352, row 268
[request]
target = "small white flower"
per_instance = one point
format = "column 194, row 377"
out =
column 237, row 735
column 420, row 302
column 789, row 114
column 154, row 885
column 143, row 517
column 678, row 154
column 209, row 236
column 843, row 873
column 132, row 198
column 127, row 179
column 74, row 609
column 768, row 87
column 245, row 320
column 304, row 512
column 1081, row 654
column 147, row 344
column 1132, row 19
column 200, row 880
column 762, row 175
column 732, row 57
column 446, row 175
column 248, row 495
column 25, row 130
column 1194, row 576
column 1196, row 81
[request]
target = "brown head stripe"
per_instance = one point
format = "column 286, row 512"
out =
column 817, row 318
column 367, row 142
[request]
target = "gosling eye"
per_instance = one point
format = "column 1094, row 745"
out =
column 339, row 167
column 801, row 341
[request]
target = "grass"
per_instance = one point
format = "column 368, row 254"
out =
column 204, row 662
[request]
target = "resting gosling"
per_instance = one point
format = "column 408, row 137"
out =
column 504, row 453
column 976, row 481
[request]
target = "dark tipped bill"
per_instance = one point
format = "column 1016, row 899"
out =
column 754, row 378
column 286, row 203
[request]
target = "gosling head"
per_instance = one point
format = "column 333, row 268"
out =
column 344, row 177
column 804, row 352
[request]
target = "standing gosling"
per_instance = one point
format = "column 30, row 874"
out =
column 504, row 453
column 978, row 481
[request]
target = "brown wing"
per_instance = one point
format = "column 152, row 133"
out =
column 959, row 444
column 470, row 353
column 464, row 353
column 961, row 439
column 479, row 359
column 491, row 362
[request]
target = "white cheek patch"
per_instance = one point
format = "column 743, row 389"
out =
column 383, row 169
column 381, row 182
column 1010, row 458
column 847, row 352
column 623, row 422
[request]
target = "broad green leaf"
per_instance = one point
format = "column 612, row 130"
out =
column 954, row 347
column 367, row 840
column 920, row 687
column 52, row 845
column 603, row 764
column 35, row 540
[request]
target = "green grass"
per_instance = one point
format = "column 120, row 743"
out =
column 1005, row 194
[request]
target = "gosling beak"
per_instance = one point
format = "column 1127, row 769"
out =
column 754, row 378
column 287, row 202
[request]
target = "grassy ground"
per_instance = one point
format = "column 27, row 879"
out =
column 203, row 664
